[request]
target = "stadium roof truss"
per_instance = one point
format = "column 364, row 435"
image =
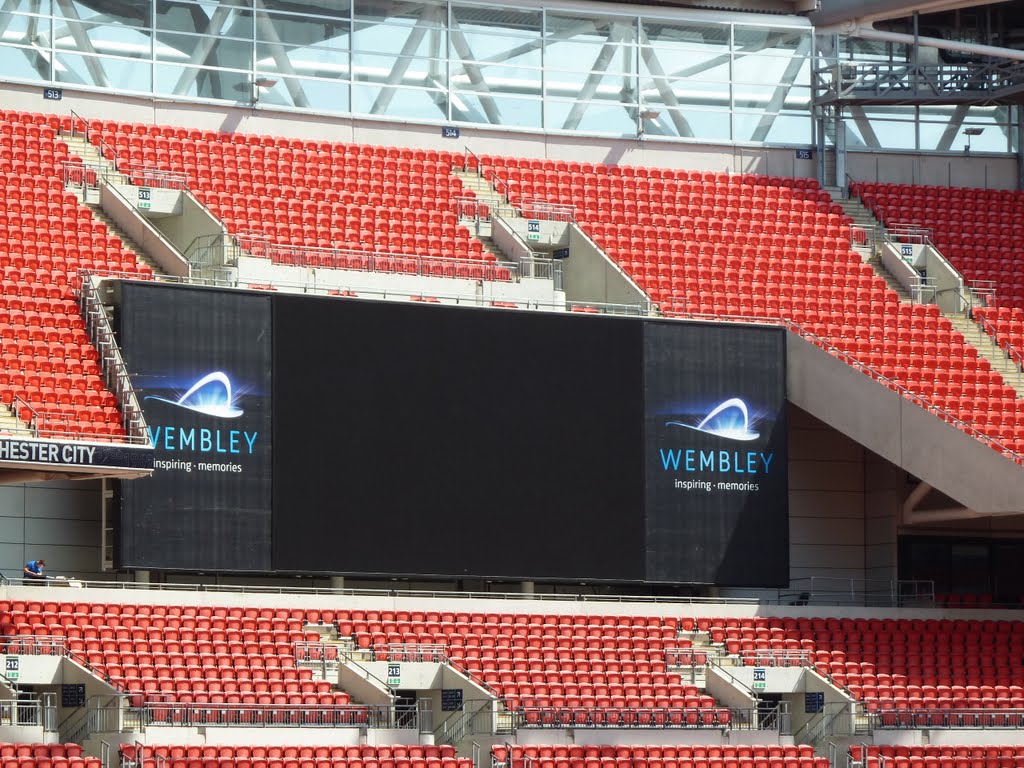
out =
column 698, row 74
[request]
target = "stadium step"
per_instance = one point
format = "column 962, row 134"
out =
column 890, row 279
column 990, row 350
column 11, row 425
column 864, row 219
column 492, row 248
column 129, row 243
column 90, row 154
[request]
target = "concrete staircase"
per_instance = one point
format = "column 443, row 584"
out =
column 129, row 243
column 11, row 425
column 486, row 195
column 987, row 348
column 862, row 218
column 972, row 332
column 77, row 145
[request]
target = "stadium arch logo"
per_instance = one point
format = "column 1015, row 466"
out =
column 730, row 420
column 211, row 395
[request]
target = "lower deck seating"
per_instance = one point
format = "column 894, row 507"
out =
column 649, row 756
column 937, row 755
column 891, row 663
column 194, row 656
column 255, row 756
column 15, row 755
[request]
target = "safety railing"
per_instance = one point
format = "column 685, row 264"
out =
column 652, row 718
column 908, row 232
column 866, row 592
column 630, row 310
column 104, row 713
column 26, row 413
column 776, row 657
column 223, row 277
column 1003, row 347
column 156, row 178
column 435, row 653
column 941, row 718
column 112, row 366
column 89, row 176
column 543, row 210
column 837, row 718
column 317, row 656
column 864, row 235
column 923, row 290
column 689, row 657
column 472, row 162
column 30, row 712
column 984, row 291
column 33, row 645
column 476, row 716
column 168, row 714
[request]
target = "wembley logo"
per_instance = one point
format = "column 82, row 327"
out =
column 729, row 419
column 212, row 395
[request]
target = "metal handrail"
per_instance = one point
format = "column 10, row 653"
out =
column 158, row 714
column 953, row 717
column 115, row 372
column 776, row 657
column 149, row 176
column 33, row 421
column 1006, row 347
column 733, row 718
column 348, row 656
column 536, row 208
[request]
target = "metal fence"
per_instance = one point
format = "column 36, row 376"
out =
column 33, row 645
column 279, row 716
column 30, row 712
column 915, row 719
column 776, row 657
column 635, row 717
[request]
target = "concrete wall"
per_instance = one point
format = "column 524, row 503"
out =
column 942, row 170
column 590, row 276
column 527, row 292
column 826, row 501
column 57, row 521
column 194, row 220
column 118, row 205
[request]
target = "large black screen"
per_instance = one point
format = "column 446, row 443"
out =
column 416, row 439
column 716, row 464
column 423, row 440
column 200, row 361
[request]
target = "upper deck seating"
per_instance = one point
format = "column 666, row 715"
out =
column 980, row 231
column 46, row 239
column 399, row 203
column 746, row 245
